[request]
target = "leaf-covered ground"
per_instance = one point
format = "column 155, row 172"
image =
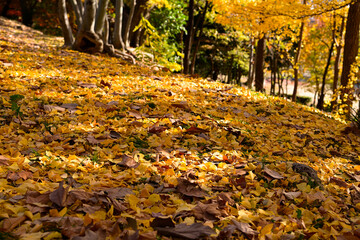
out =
column 93, row 148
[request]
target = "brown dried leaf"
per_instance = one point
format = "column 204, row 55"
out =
column 4, row 161
column 49, row 108
column 339, row 182
column 25, row 174
column 183, row 105
column 194, row 130
column 135, row 114
column 273, row 173
column 225, row 197
column 128, row 161
column 244, row 227
column 207, row 212
column 86, row 85
column 183, row 231
column 105, row 84
column 92, row 140
column 162, row 222
column 13, row 176
column 70, row 106
column 189, row 189
column 114, row 134
column 33, row 197
column 292, row 195
column 11, row 223
column 59, row 195
column 156, row 128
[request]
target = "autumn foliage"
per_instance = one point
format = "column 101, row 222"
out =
column 92, row 147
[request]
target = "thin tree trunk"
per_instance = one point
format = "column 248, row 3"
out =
column 78, row 14
column 118, row 41
column 259, row 65
column 350, row 52
column 189, row 37
column 297, row 58
column 251, row 64
column 337, row 63
column 197, row 44
column 101, row 16
column 27, row 11
column 320, row 104
column 5, row 8
column 128, row 24
column 65, row 25
column 81, row 7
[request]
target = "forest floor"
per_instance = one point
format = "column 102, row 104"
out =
column 92, row 147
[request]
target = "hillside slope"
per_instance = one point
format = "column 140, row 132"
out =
column 92, row 147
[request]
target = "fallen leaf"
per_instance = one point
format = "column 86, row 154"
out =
column 11, row 223
column 4, row 161
column 59, row 195
column 183, row 231
column 292, row 195
column 194, row 130
column 339, row 182
column 244, row 228
column 128, row 161
column 273, row 173
column 86, row 85
column 207, row 212
column 189, row 189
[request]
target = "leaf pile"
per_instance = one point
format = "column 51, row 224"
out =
column 94, row 148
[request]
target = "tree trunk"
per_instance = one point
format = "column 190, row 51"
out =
column 118, row 41
column 81, row 7
column 27, row 11
column 87, row 40
column 350, row 52
column 78, row 13
column 65, row 25
column 5, row 8
column 128, row 24
column 259, row 65
column 320, row 104
column 200, row 28
column 142, row 10
column 251, row 64
column 101, row 16
column 189, row 37
column 297, row 58
column 337, row 63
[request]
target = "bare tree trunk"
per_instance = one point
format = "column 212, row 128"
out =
column 101, row 16
column 251, row 64
column 27, row 11
column 197, row 44
column 87, row 40
column 189, row 37
column 65, row 25
column 320, row 104
column 78, row 12
column 81, row 7
column 5, row 8
column 337, row 62
column 118, row 41
column 259, row 65
column 297, row 58
column 128, row 24
column 350, row 52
